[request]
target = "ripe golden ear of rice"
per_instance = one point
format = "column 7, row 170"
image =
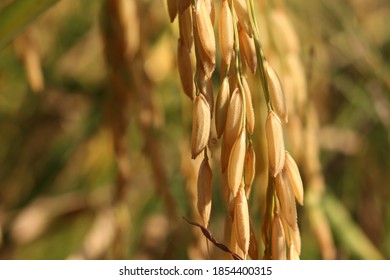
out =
column 294, row 177
column 200, row 125
column 226, row 32
column 205, row 178
column 276, row 151
column 276, row 92
column 241, row 221
column 221, row 106
column 236, row 163
column 185, row 69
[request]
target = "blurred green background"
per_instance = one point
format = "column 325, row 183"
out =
column 58, row 168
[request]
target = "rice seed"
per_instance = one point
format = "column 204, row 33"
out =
column 233, row 127
column 185, row 68
column 276, row 152
column 205, row 178
column 250, row 113
column 278, row 240
column 236, row 163
column 276, row 92
column 211, row 10
column 205, row 32
column 234, row 117
column 203, row 62
column 172, row 9
column 226, row 32
column 286, row 198
column 243, row 16
column 241, row 221
column 250, row 167
column 248, row 48
column 221, row 106
column 200, row 125
column 294, row 177
column 185, row 27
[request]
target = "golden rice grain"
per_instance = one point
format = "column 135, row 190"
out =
column 185, row 69
column 226, row 32
column 205, row 178
column 211, row 10
column 250, row 113
column 233, row 127
column 236, row 163
column 276, row 152
column 286, row 198
column 276, row 92
column 205, row 32
column 200, row 125
column 221, row 106
column 234, row 118
column 294, row 177
column 247, row 46
column 241, row 221
column 243, row 16
column 185, row 27
column 278, row 240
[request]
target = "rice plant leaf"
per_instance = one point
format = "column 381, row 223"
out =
column 348, row 232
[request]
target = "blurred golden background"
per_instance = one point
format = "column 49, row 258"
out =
column 94, row 138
